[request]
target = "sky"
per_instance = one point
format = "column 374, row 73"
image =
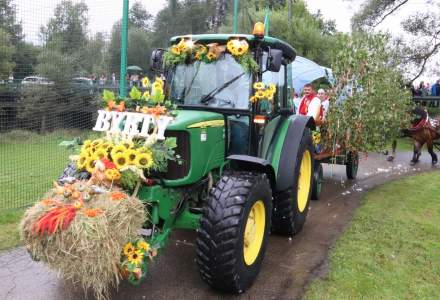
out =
column 103, row 13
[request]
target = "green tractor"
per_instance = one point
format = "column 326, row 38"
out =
column 245, row 170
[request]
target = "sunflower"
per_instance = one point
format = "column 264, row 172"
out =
column 145, row 82
column 97, row 143
column 158, row 79
column 259, row 85
column 175, row 50
column 90, row 164
column 182, row 46
column 132, row 155
column 211, row 56
column 231, row 46
column 198, row 56
column 157, row 85
column 81, row 163
column 128, row 249
column 202, row 50
column 136, row 257
column 146, row 95
column 272, row 87
column 144, row 160
column 260, row 94
column 269, row 94
column 120, row 160
column 143, row 245
column 128, row 144
column 117, row 149
column 106, row 145
column 112, row 174
column 87, row 144
column 101, row 153
column 240, row 51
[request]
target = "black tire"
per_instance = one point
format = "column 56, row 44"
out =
column 318, row 175
column 352, row 165
column 220, row 240
column 288, row 218
column 71, row 172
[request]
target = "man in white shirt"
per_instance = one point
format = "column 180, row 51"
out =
column 322, row 95
column 310, row 105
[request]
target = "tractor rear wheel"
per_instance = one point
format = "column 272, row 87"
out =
column 318, row 174
column 233, row 232
column 291, row 206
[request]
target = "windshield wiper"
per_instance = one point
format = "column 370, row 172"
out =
column 215, row 91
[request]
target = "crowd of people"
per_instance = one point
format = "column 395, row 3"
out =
column 426, row 89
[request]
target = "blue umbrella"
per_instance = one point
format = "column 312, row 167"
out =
column 305, row 71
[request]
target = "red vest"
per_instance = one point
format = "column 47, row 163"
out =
column 304, row 105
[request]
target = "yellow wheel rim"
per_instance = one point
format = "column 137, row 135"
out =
column 254, row 232
column 305, row 173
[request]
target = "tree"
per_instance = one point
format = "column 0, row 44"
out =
column 7, row 50
column 371, row 101
column 8, row 21
column 139, row 17
column 68, row 26
column 422, row 28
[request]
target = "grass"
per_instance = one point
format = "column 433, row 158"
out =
column 29, row 163
column 391, row 249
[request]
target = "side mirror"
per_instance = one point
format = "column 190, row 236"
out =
column 156, row 60
column 274, row 59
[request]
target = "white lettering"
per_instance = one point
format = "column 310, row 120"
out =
column 103, row 121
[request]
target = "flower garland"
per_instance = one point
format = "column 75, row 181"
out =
column 186, row 51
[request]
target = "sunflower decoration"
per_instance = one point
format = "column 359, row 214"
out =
column 117, row 149
column 211, row 56
column 145, row 82
column 263, row 92
column 128, row 144
column 237, row 47
column 90, row 164
column 101, row 153
column 144, row 160
column 82, row 161
column 157, row 95
column 142, row 245
column 112, row 174
column 200, row 52
column 131, row 155
column 120, row 160
column 128, row 249
column 146, row 95
column 136, row 257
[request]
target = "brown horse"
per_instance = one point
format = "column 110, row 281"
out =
column 423, row 130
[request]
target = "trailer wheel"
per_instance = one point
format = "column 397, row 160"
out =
column 352, row 164
column 317, row 180
column 291, row 207
column 233, row 232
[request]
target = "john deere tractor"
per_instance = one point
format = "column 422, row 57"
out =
column 245, row 170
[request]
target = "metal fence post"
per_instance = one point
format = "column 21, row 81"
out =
column 124, row 34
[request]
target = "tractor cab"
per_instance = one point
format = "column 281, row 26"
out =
column 226, row 85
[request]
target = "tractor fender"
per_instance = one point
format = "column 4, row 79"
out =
column 253, row 164
column 289, row 151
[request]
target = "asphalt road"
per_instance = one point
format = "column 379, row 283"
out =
column 290, row 263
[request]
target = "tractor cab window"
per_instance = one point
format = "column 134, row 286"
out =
column 276, row 78
column 222, row 84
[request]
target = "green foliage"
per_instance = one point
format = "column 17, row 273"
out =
column 129, row 179
column 56, row 65
column 375, row 101
column 7, row 50
column 248, row 64
column 135, row 94
column 170, row 59
column 108, row 96
column 162, row 152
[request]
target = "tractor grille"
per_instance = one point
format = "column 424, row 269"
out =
column 176, row 170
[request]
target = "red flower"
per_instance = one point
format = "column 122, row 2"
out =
column 108, row 163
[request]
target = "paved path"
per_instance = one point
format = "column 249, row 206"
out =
column 288, row 266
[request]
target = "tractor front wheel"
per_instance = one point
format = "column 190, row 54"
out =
column 233, row 232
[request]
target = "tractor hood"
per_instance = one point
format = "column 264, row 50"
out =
column 195, row 119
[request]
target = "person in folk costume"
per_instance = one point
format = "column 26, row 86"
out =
column 310, row 105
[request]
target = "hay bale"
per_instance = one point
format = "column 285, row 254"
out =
column 88, row 251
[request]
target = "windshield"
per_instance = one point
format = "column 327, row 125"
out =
column 222, row 83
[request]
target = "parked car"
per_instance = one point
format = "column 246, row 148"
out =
column 82, row 84
column 36, row 80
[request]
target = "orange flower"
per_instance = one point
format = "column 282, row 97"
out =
column 111, row 104
column 92, row 212
column 118, row 196
column 157, row 110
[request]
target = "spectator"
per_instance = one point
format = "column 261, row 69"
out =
column 113, row 79
column 310, row 104
column 322, row 95
column 435, row 89
column 11, row 78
